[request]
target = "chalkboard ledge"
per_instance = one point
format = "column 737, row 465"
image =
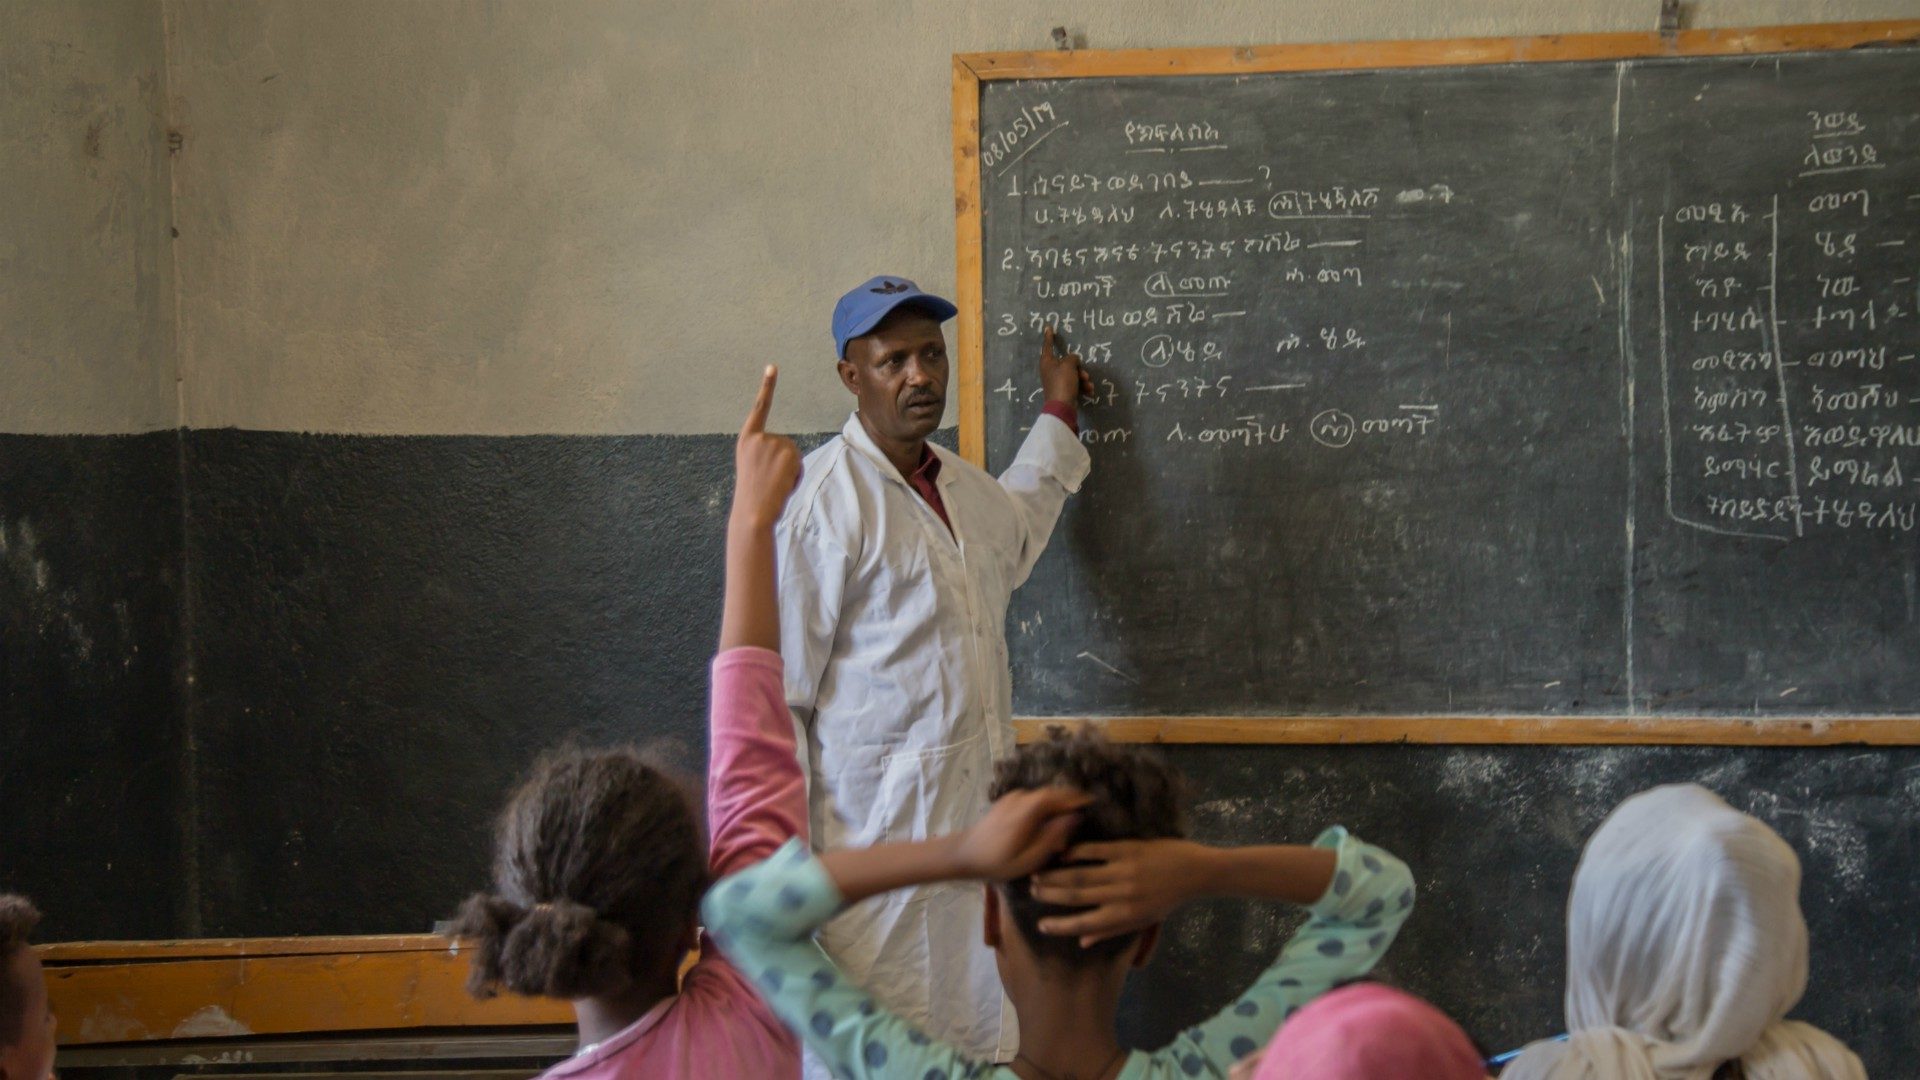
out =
column 1465, row 730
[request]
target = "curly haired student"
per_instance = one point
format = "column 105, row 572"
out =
column 1104, row 823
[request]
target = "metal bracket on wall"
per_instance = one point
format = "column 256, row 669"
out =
column 1669, row 19
column 1060, row 39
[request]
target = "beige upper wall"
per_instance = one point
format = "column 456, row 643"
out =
column 86, row 300
column 445, row 216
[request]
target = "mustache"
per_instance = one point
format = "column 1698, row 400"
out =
column 925, row 398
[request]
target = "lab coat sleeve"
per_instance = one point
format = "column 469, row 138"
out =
column 813, row 572
column 1050, row 466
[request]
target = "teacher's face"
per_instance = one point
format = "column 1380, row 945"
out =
column 898, row 374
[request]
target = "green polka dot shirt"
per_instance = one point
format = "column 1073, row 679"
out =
column 764, row 919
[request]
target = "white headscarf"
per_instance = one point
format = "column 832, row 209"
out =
column 1685, row 949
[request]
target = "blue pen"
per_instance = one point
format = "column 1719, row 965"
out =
column 1500, row 1060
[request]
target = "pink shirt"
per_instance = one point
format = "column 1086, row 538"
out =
column 756, row 800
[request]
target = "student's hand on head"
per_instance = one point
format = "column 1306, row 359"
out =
column 765, row 467
column 1020, row 832
column 1061, row 375
column 1129, row 885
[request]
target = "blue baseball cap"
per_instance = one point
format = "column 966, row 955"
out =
column 861, row 309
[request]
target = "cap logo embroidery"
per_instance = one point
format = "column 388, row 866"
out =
column 891, row 287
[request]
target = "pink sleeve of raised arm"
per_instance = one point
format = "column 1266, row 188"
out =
column 756, row 794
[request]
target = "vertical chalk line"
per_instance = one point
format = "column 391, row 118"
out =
column 1619, row 84
column 1627, row 393
column 1780, row 370
column 1666, row 375
column 1666, row 398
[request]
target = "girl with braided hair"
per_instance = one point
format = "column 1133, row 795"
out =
column 598, row 869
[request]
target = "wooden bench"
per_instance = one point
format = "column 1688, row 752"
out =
column 389, row 997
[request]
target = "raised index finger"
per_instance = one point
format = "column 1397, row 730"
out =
column 1046, row 343
column 763, row 404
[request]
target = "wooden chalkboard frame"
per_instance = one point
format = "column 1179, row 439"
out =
column 971, row 70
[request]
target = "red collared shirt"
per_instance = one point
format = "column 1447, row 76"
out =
column 925, row 479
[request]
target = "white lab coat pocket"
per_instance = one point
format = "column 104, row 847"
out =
column 932, row 791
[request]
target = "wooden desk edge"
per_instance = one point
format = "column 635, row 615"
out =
column 1491, row 730
column 137, row 992
column 63, row 953
column 161, row 991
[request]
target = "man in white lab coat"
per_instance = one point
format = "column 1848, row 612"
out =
column 897, row 559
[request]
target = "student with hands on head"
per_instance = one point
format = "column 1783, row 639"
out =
column 1082, row 853
column 599, row 866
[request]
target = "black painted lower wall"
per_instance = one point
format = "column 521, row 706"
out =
column 389, row 629
column 1493, row 835
column 386, row 630
column 92, row 749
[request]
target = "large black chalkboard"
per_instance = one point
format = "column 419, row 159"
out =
column 1578, row 388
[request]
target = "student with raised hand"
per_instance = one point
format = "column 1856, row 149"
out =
column 1104, row 822
column 26, row 1019
column 599, row 866
column 1685, row 950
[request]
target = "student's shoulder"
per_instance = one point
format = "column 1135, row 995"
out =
column 717, row 1021
column 716, row 989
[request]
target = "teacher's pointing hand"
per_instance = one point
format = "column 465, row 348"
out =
column 1062, row 375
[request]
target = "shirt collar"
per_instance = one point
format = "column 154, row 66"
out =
column 929, row 470
column 856, row 435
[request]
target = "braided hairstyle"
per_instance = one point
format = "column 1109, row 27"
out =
column 598, row 868
column 1136, row 796
column 18, row 917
